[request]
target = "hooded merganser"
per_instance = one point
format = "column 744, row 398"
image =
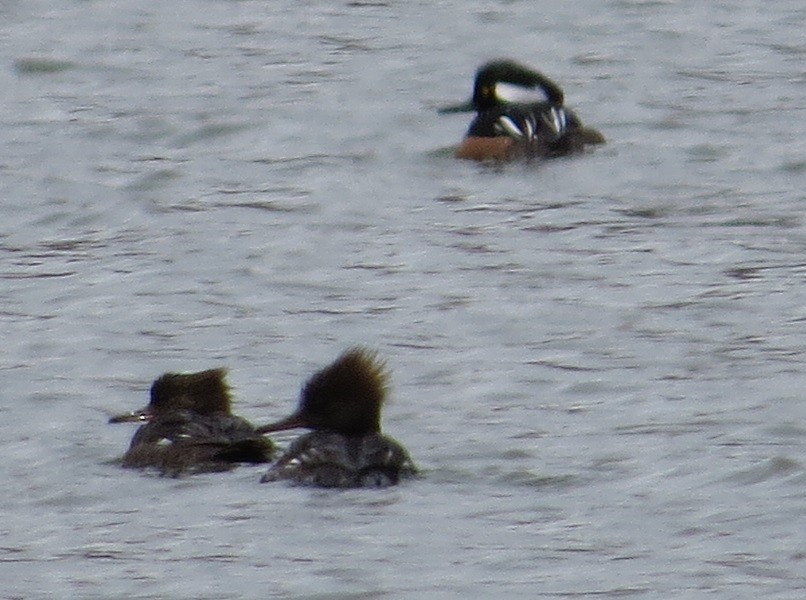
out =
column 342, row 404
column 188, row 427
column 519, row 114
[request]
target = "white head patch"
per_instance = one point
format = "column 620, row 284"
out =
column 509, row 92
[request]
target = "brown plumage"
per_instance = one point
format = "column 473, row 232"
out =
column 342, row 404
column 189, row 427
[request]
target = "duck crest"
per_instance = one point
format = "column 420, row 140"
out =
column 505, row 80
column 347, row 396
column 204, row 392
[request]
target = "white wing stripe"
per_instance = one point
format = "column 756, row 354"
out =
column 556, row 119
column 509, row 126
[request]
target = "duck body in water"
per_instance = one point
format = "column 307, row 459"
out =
column 188, row 427
column 520, row 113
column 346, row 449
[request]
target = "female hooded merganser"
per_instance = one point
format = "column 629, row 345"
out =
column 342, row 404
column 520, row 114
column 188, row 427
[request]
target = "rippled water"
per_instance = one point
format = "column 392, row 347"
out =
column 598, row 361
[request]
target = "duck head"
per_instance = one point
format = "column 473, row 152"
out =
column 205, row 392
column 505, row 81
column 345, row 397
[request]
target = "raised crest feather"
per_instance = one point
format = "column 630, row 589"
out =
column 205, row 391
column 358, row 372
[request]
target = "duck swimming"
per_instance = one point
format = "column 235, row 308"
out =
column 346, row 449
column 520, row 113
column 188, row 427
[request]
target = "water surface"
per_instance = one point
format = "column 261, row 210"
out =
column 598, row 362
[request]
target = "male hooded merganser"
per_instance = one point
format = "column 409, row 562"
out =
column 342, row 404
column 188, row 427
column 520, row 114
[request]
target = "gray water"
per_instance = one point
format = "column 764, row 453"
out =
column 598, row 362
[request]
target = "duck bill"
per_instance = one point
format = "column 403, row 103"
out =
column 295, row 421
column 138, row 416
column 457, row 108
